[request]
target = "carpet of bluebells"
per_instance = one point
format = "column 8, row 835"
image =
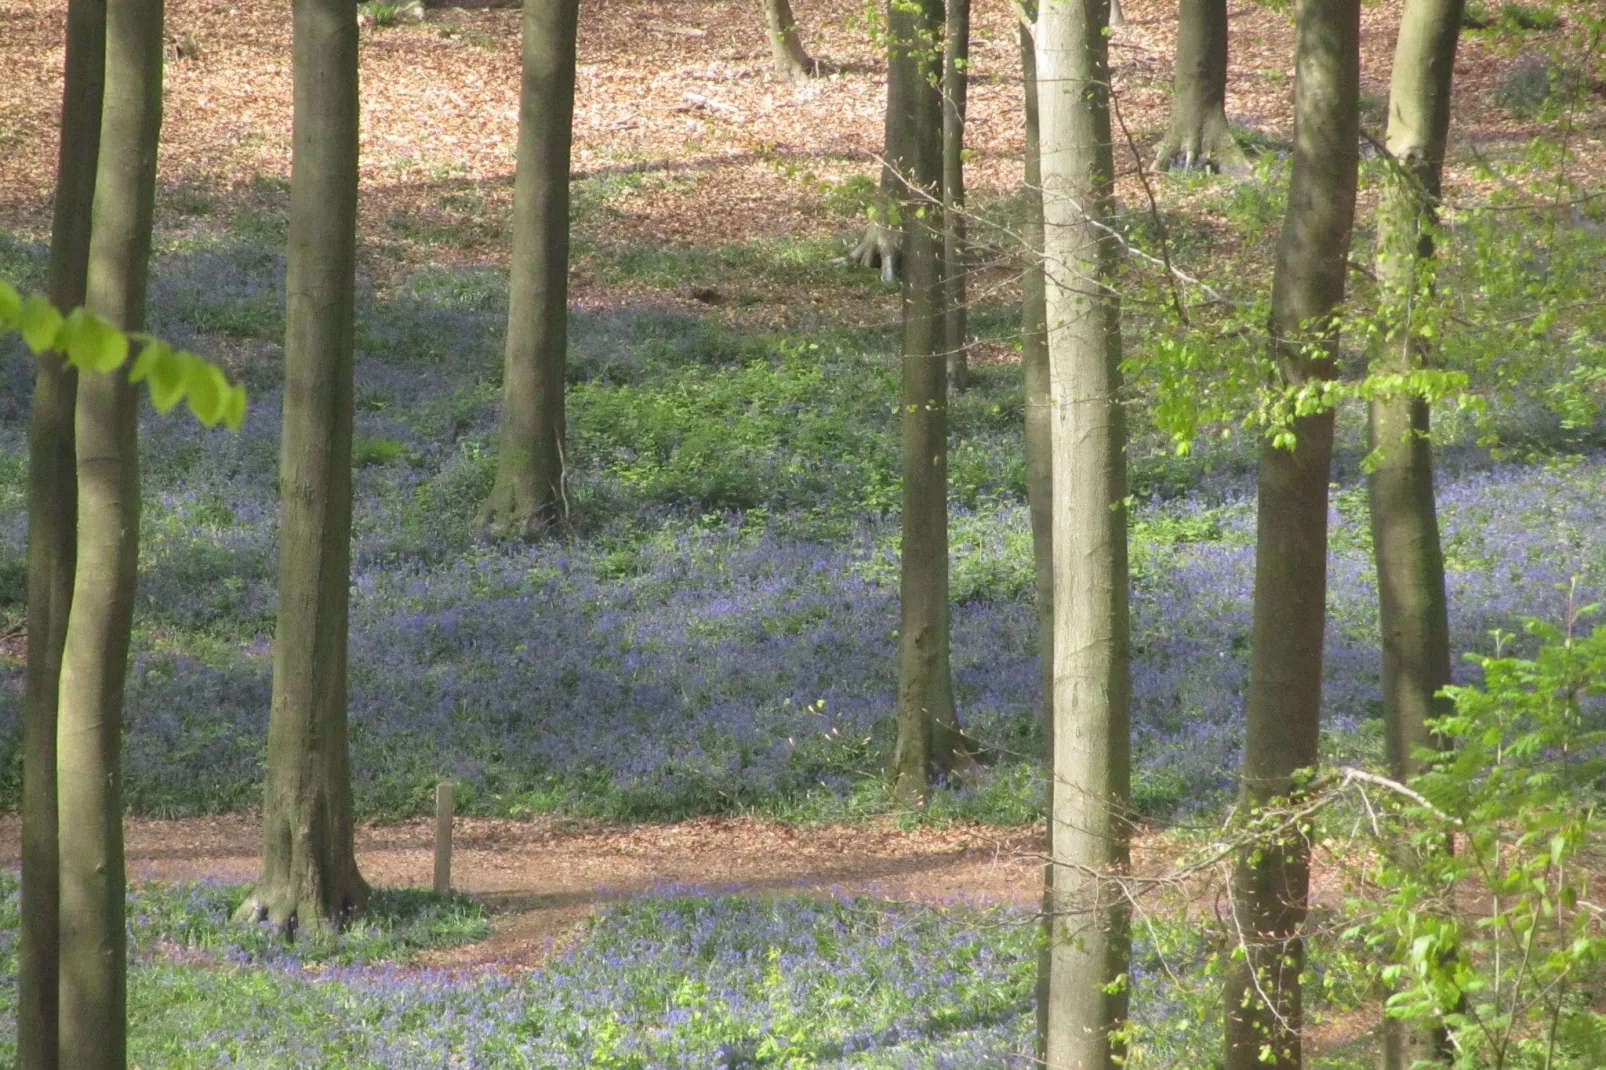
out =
column 681, row 978
column 719, row 632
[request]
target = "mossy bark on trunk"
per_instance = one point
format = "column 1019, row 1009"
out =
column 1087, row 945
column 52, row 540
column 1199, row 136
column 955, row 83
column 309, row 869
column 1413, row 606
column 792, row 62
column 929, row 741
column 93, row 995
column 529, row 495
column 1271, row 880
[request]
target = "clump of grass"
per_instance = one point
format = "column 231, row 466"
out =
column 1529, row 17
column 366, row 452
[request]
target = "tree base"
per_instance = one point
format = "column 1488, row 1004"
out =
column 289, row 912
column 1207, row 145
column 881, row 246
column 512, row 512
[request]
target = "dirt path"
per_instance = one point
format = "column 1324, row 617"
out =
column 544, row 877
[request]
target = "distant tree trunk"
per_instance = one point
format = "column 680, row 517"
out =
column 1199, row 135
column 309, row 865
column 882, row 244
column 93, row 984
column 1117, row 18
column 792, row 62
column 529, row 497
column 1034, row 363
column 955, row 80
column 1039, row 468
column 1413, row 607
column 929, row 741
column 52, row 541
column 1089, row 831
column 1270, row 882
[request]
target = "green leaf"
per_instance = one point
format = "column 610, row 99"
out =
column 207, row 390
column 10, row 307
column 166, row 372
column 91, row 343
column 234, row 408
column 40, row 323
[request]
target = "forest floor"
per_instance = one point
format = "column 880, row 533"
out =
column 543, row 877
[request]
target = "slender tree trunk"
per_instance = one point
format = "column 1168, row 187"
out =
column 309, row 866
column 1413, row 607
column 1117, row 17
column 955, row 81
column 882, row 244
column 1199, row 136
column 1039, row 471
column 792, row 62
column 52, row 540
column 529, row 495
column 1087, row 946
column 1034, row 365
column 93, row 982
column 929, row 741
column 1270, row 883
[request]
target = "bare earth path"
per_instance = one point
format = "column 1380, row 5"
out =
column 543, row 877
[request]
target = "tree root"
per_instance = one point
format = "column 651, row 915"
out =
column 881, row 245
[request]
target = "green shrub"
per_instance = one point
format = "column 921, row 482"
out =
column 1528, row 17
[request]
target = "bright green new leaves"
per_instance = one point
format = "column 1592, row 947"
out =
column 93, row 345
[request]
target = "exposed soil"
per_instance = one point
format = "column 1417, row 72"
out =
column 542, row 878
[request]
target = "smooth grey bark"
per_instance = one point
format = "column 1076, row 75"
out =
column 52, row 540
column 1034, row 366
column 1117, row 17
column 792, row 62
column 929, row 741
column 955, row 82
column 92, row 991
column 528, row 497
column 882, row 244
column 1271, row 880
column 309, row 865
column 1199, row 136
column 1090, row 787
column 1413, row 606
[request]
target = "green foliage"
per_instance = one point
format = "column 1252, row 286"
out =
column 1528, row 17
column 91, row 344
column 1501, row 939
column 1532, row 83
column 369, row 451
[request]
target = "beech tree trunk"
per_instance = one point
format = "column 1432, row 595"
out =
column 882, row 244
column 955, row 81
column 93, row 982
column 929, row 741
column 792, row 62
column 1413, row 606
column 309, row 866
column 1199, row 136
column 1089, row 831
column 529, row 496
column 1117, row 18
column 1034, row 364
column 52, row 541
column 1270, row 882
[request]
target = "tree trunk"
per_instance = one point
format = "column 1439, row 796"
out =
column 1034, row 365
column 309, row 866
column 93, row 982
column 1117, row 17
column 52, row 540
column 1199, row 136
column 529, row 496
column 792, row 62
column 929, row 741
column 955, row 79
column 1270, row 883
column 1413, row 607
column 882, row 244
column 1087, row 946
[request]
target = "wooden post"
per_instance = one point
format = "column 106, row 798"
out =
column 443, row 837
